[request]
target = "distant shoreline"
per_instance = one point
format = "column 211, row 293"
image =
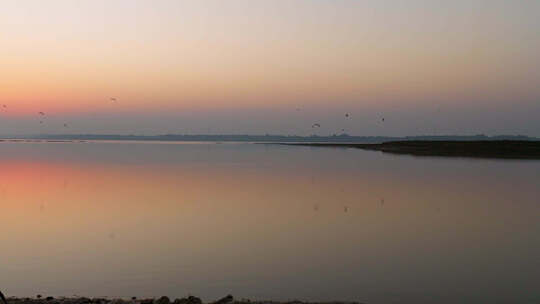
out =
column 497, row 149
column 336, row 138
column 502, row 149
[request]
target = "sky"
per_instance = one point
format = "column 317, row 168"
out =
column 255, row 67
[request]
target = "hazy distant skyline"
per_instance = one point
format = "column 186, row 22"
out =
column 427, row 67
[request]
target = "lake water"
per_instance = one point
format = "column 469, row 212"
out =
column 266, row 222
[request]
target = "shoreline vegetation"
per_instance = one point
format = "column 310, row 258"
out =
column 498, row 149
column 162, row 300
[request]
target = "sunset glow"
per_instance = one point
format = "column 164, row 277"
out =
column 269, row 151
column 214, row 57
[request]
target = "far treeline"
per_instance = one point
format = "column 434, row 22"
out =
column 345, row 138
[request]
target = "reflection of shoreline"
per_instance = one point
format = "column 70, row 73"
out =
column 506, row 149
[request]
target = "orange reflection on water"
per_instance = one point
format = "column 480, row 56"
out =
column 259, row 221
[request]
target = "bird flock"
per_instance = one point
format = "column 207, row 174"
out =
column 347, row 115
column 42, row 116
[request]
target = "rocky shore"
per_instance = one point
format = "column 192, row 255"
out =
column 162, row 300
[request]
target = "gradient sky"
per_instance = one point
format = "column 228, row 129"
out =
column 245, row 66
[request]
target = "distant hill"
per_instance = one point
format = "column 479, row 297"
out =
column 341, row 138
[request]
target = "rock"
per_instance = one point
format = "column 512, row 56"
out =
column 162, row 300
column 188, row 300
column 3, row 298
column 194, row 300
column 38, row 296
column 225, row 300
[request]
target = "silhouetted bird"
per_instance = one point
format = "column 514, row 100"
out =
column 346, row 209
column 41, row 113
column 347, row 115
column 4, row 106
column 3, row 298
column 316, row 125
column 40, row 121
column 65, row 125
column 383, row 119
column 112, row 99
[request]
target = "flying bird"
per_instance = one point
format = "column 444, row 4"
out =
column 65, row 125
column 316, row 125
column 41, row 113
column 112, row 99
column 383, row 119
column 346, row 114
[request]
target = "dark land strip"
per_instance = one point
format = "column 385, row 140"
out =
column 505, row 149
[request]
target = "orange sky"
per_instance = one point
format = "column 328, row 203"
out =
column 69, row 58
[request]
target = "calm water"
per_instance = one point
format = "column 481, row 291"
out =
column 266, row 222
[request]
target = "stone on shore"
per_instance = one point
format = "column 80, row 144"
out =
column 225, row 300
column 162, row 300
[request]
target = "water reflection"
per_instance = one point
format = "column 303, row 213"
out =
column 130, row 219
